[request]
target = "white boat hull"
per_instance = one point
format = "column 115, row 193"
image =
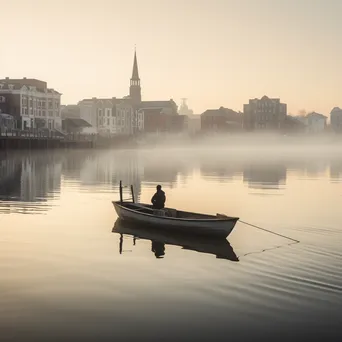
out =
column 208, row 225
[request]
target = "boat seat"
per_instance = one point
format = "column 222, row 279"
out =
column 159, row 212
column 171, row 212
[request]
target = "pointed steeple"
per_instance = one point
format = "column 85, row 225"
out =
column 135, row 73
column 134, row 89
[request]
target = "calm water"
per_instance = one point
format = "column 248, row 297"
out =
column 66, row 274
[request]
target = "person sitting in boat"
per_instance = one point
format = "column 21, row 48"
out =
column 159, row 198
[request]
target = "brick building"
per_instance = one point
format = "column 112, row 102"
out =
column 160, row 116
column 221, row 120
column 264, row 114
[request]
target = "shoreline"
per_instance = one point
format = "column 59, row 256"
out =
column 250, row 140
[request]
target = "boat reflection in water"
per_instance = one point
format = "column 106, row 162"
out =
column 219, row 247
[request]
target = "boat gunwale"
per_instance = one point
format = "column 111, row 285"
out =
column 214, row 219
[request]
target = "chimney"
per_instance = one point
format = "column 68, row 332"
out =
column 7, row 78
column 24, row 78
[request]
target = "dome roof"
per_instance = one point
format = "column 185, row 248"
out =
column 336, row 109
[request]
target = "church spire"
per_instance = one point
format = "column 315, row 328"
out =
column 134, row 89
column 135, row 73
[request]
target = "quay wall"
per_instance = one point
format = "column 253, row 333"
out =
column 31, row 141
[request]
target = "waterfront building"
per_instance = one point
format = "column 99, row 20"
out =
column 31, row 103
column 264, row 114
column 336, row 119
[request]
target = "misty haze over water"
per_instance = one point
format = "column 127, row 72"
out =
column 65, row 272
column 262, row 143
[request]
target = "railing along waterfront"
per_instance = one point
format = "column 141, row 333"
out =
column 45, row 134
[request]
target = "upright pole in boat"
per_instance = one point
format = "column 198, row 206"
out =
column 121, row 192
column 132, row 191
column 120, row 244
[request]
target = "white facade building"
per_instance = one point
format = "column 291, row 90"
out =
column 88, row 111
column 99, row 114
column 31, row 103
column 40, row 111
column 336, row 119
column 106, row 117
column 314, row 122
column 140, row 120
column 128, row 119
column 124, row 118
column 110, row 117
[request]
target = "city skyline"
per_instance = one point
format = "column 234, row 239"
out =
column 219, row 53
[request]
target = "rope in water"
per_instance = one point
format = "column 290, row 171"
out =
column 269, row 231
column 267, row 249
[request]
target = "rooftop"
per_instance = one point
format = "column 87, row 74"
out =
column 220, row 112
column 157, row 104
column 317, row 115
column 26, row 84
column 336, row 110
column 264, row 99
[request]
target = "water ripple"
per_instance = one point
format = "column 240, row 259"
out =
column 69, row 266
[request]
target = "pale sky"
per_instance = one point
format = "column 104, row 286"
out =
column 214, row 52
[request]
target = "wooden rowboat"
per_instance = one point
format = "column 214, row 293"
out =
column 182, row 221
column 175, row 220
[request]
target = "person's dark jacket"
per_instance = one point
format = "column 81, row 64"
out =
column 158, row 199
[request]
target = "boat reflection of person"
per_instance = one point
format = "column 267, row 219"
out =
column 219, row 247
column 158, row 248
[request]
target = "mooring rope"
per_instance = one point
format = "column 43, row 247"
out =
column 269, row 231
column 267, row 249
